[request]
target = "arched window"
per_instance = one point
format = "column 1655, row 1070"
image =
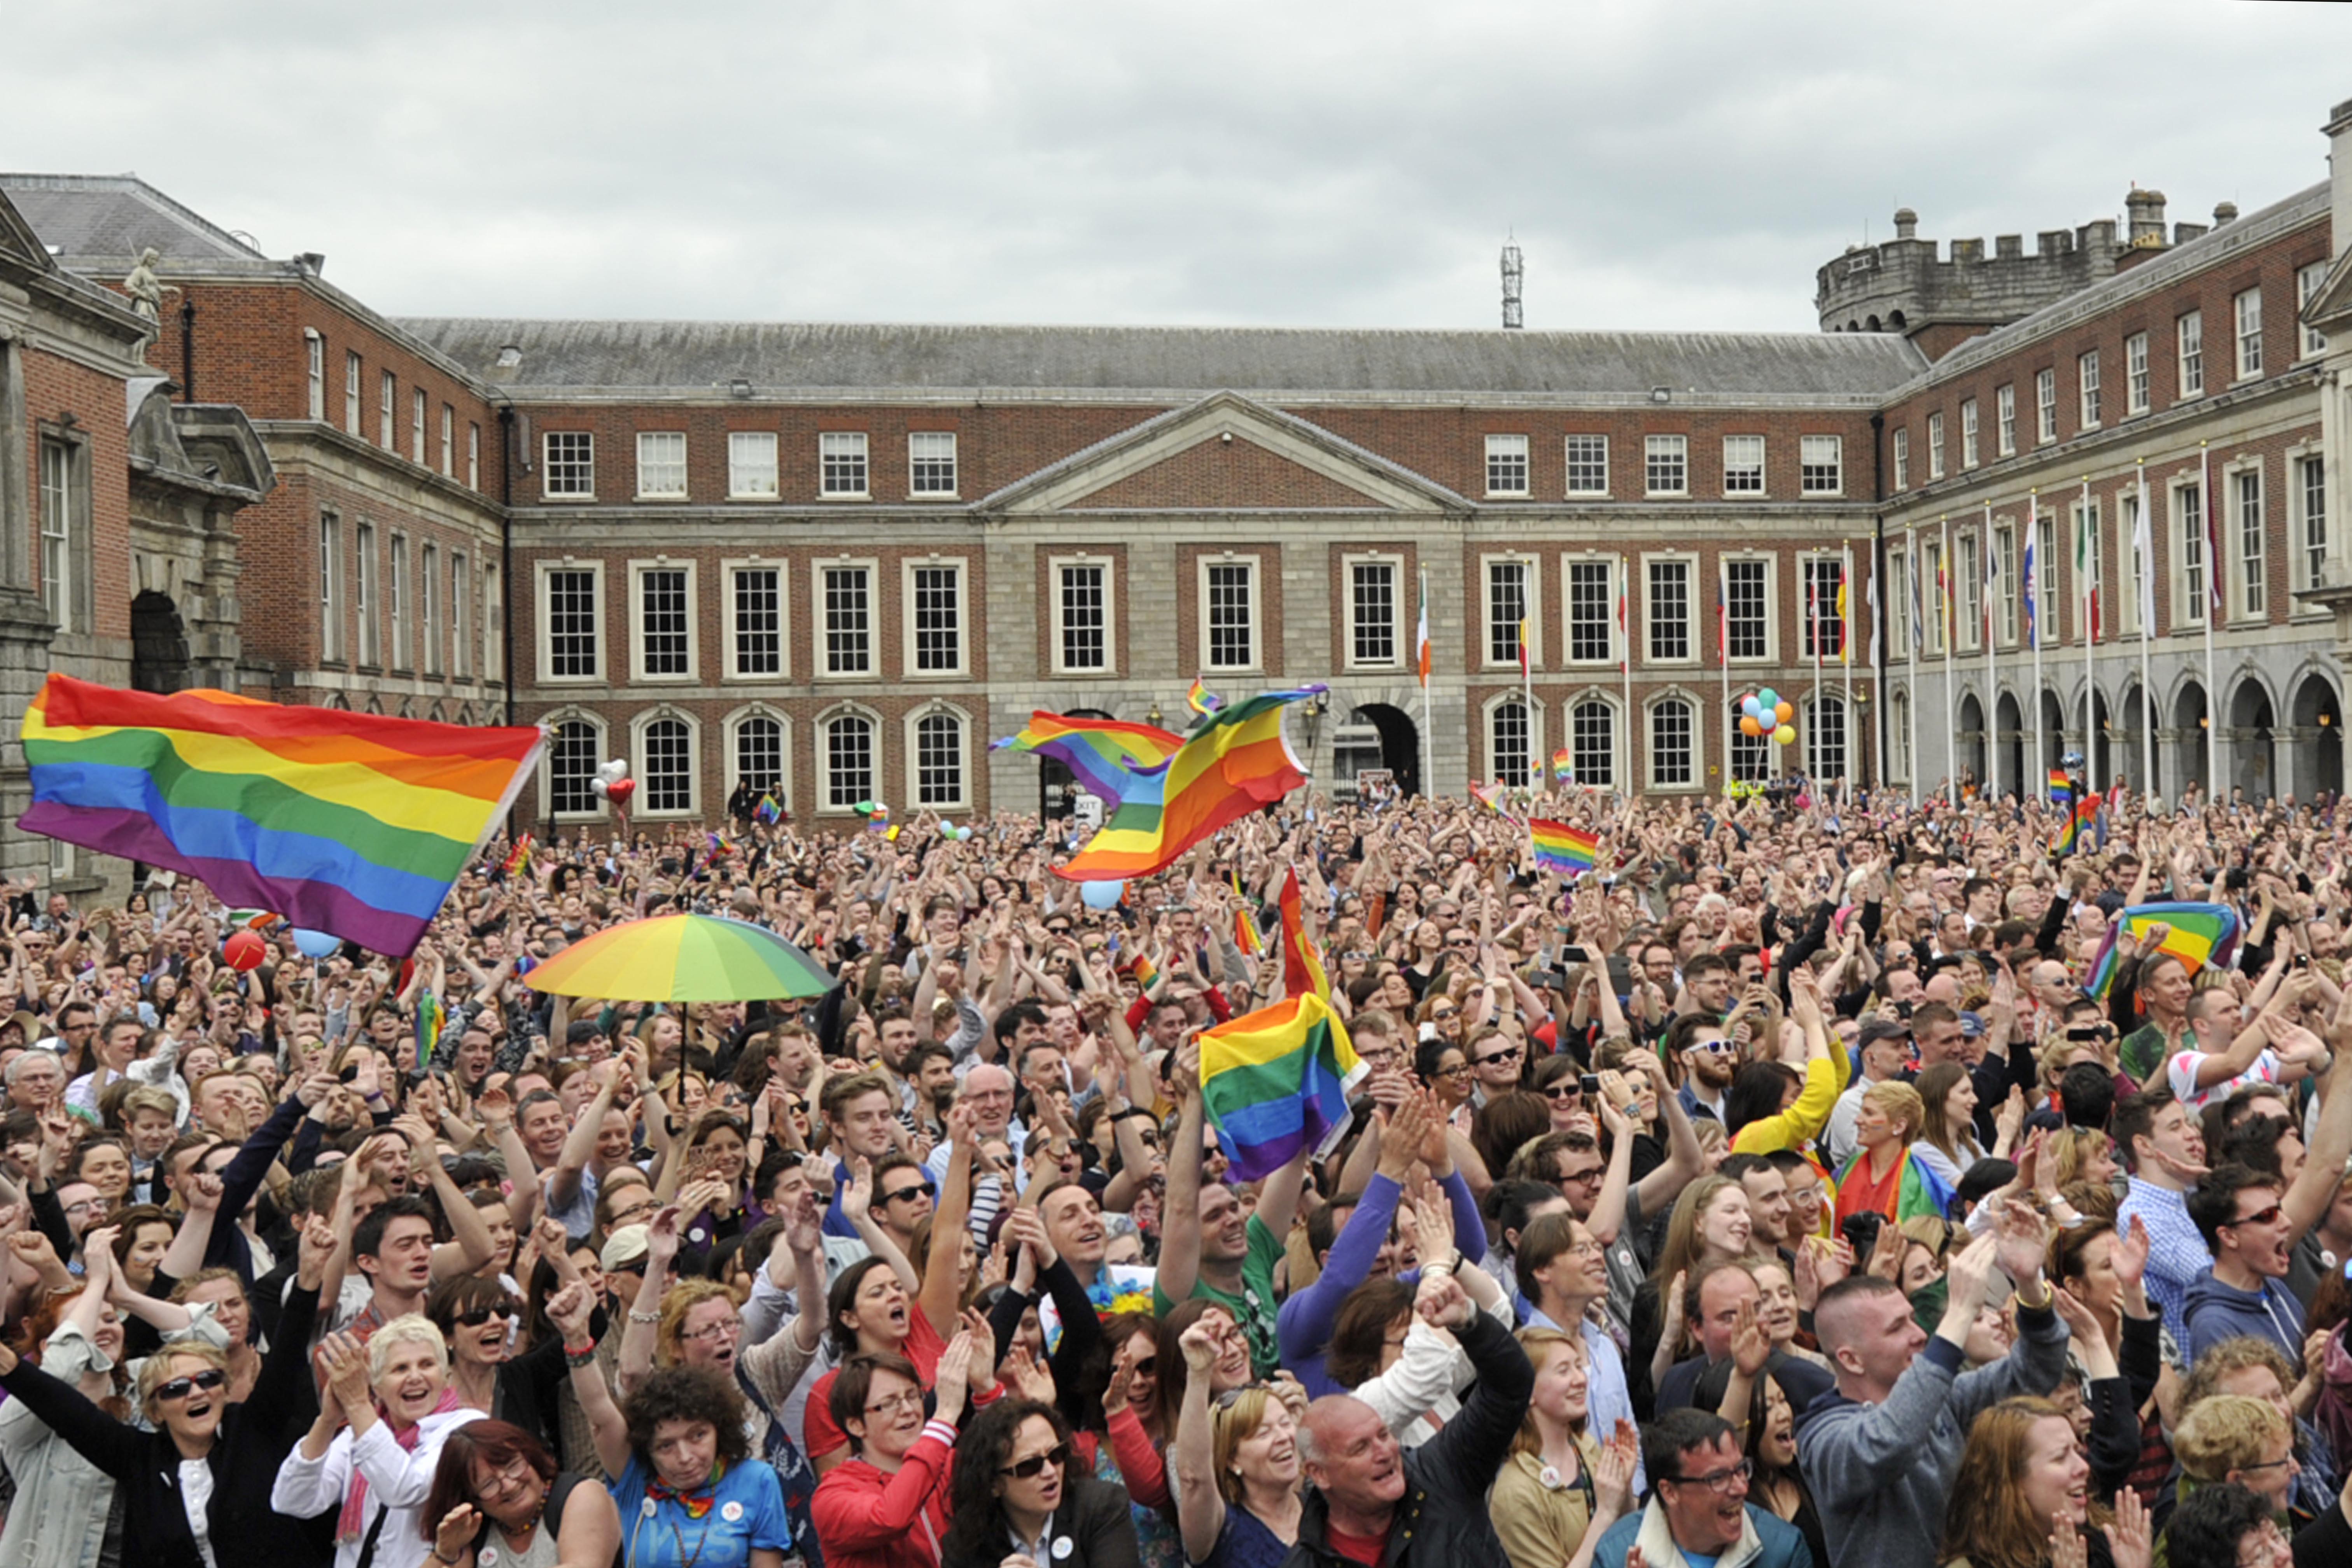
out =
column 1825, row 747
column 1751, row 755
column 1508, row 742
column 848, row 760
column 571, row 765
column 938, row 759
column 666, row 771
column 760, row 753
column 1674, row 759
column 1592, row 738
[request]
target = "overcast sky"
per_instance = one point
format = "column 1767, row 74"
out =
column 1664, row 163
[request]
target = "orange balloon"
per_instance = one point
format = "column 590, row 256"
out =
column 1749, row 727
column 1784, row 712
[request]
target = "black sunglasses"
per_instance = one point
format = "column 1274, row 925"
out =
column 904, row 1195
column 180, row 1387
column 1029, row 1469
column 476, row 1319
column 1569, row 1090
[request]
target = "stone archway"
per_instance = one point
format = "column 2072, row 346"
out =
column 2193, row 737
column 2253, row 764
column 1378, row 735
column 2316, row 752
column 159, row 645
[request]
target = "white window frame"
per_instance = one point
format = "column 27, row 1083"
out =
column 1505, row 453
column 330, row 587
column 473, row 455
column 1970, row 454
column 461, row 616
column 844, row 446
column 1570, row 454
column 1490, row 755
column 2045, row 406
column 2307, row 465
column 1899, row 605
column 2137, row 395
column 878, row 762
column 2246, row 319
column 1814, row 620
column 1665, row 449
column 1809, row 710
column 418, row 405
column 2310, row 341
column 1399, row 636
column 1619, row 740
column 600, row 734
column 1652, row 617
column 751, row 466
column 2125, row 611
column 731, row 764
column 638, row 570
column 1818, row 452
column 1532, row 568
column 1968, row 590
column 448, row 441
column 314, row 354
column 2088, row 390
column 1610, row 586
column 1772, row 596
column 1903, row 456
column 1108, row 566
column 2249, row 573
column 584, row 457
column 1255, row 565
column 960, row 566
column 388, row 414
column 2004, row 409
column 2009, row 622
column 1936, row 445
column 910, row 734
column 652, row 464
column 2189, row 608
column 782, row 570
column 1692, row 708
column 1933, row 574
column 821, row 662
column 1744, row 475
column 640, row 724
column 364, row 607
column 953, row 459
column 542, row 571
column 428, row 602
column 65, row 525
column 2188, row 357
column 396, row 598
column 352, row 421
column 1899, row 737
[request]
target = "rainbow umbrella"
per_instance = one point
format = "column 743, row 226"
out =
column 682, row 958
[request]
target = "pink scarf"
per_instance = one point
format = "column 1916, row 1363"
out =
column 348, row 1526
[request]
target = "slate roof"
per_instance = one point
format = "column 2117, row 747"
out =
column 783, row 358
column 97, row 220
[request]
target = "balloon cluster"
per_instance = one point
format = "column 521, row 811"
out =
column 614, row 783
column 1765, row 714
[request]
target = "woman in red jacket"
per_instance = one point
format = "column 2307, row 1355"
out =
column 886, row 1505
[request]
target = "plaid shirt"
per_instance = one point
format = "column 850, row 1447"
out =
column 2176, row 1253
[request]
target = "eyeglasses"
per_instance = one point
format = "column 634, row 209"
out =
column 1586, row 1178
column 906, row 1399
column 726, row 1329
column 474, row 1320
column 2260, row 1216
column 179, row 1388
column 1459, row 1070
column 1490, row 1059
column 1437, row 1013
column 1564, row 1091
column 1029, row 1469
column 1713, row 1047
column 1147, row 1366
column 907, row 1194
column 1720, row 1481
column 2288, row 1462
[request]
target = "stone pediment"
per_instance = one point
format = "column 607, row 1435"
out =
column 1225, row 453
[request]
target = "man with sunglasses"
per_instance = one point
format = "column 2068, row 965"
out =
column 2241, row 1214
column 1699, row 1510
column 1709, row 1060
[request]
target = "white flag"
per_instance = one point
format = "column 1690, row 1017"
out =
column 1870, row 593
column 2145, row 548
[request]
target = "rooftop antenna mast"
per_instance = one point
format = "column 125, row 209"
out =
column 1514, row 273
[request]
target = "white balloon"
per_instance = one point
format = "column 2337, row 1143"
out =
column 600, row 784
column 615, row 771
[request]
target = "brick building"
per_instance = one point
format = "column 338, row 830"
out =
column 836, row 560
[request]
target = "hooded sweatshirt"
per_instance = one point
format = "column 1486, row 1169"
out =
column 1881, row 1474
column 2215, row 1311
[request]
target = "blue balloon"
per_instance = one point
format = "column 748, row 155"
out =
column 1750, row 707
column 316, row 943
column 1101, row 895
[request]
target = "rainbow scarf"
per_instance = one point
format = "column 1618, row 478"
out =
column 1570, row 851
column 1921, row 1193
column 343, row 823
column 1235, row 763
column 1109, row 759
column 696, row 1500
column 1276, row 1082
column 2199, row 935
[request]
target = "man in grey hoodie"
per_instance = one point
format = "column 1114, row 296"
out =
column 1882, row 1451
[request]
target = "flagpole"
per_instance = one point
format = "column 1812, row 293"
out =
column 1731, row 730
column 1911, row 708
column 2086, row 559
column 1845, row 654
column 2144, row 538
column 1625, row 661
column 1528, row 692
column 1992, row 675
column 2215, row 789
column 1813, row 609
column 2040, row 736
column 1421, row 661
column 1943, row 576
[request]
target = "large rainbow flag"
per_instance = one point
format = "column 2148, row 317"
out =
column 1110, row 760
column 1233, row 764
column 1570, row 851
column 341, row 822
column 2197, row 934
column 1276, row 1081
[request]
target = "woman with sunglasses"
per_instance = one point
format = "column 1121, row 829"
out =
column 476, row 1318
column 497, row 1498
column 198, row 1485
column 1020, row 1500
column 372, row 1452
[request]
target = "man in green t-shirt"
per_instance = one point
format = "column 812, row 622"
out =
column 2165, row 987
column 1211, row 1245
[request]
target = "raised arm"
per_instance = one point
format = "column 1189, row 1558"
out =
column 568, row 1309
column 941, row 1291
column 1180, row 1212
column 1200, row 1508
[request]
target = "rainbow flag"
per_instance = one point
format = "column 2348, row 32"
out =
column 2069, row 837
column 1146, row 972
column 1245, row 936
column 1490, row 796
column 1570, row 851
column 879, row 819
column 1201, row 700
column 768, row 811
column 1109, row 759
column 1302, row 970
column 519, row 858
column 343, row 823
column 2199, row 935
column 1920, row 1195
column 1276, row 1082
column 429, row 1020
column 1563, row 766
column 721, row 844
column 1232, row 764
column 2062, row 787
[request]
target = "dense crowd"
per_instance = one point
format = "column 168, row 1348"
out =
column 1775, row 1193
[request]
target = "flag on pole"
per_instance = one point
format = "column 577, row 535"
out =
column 1523, row 667
column 1276, row 1082
column 2144, row 546
column 1870, row 600
column 1624, row 633
column 768, row 810
column 2212, row 554
column 1201, row 700
column 2069, row 837
column 2086, row 574
column 1563, row 766
column 2033, row 606
column 1302, row 970
column 2062, row 787
column 1722, row 624
column 1845, row 635
column 1246, row 935
column 1570, row 851
column 1918, row 613
column 1490, row 796
column 2197, row 934
column 1421, row 652
column 1991, row 578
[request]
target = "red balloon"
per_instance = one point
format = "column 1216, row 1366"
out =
column 245, row 951
column 619, row 791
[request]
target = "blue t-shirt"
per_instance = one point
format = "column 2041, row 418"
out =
column 747, row 1511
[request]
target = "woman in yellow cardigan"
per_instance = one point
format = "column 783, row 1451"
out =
column 1767, row 1107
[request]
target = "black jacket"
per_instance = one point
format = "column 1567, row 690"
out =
column 1095, row 1518
column 253, row 1441
column 1442, row 1523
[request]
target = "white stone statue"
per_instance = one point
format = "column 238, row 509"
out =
column 146, row 289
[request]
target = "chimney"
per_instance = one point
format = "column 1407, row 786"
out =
column 2145, row 211
column 1906, row 223
column 2224, row 212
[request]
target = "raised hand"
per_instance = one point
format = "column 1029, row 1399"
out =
column 454, row 1536
column 2023, row 1237
column 1449, row 1307
column 570, row 1309
column 1751, row 1347
column 1198, row 1345
column 1613, row 1476
column 1969, row 1277
column 2130, row 1541
column 661, row 1238
column 2130, row 1254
